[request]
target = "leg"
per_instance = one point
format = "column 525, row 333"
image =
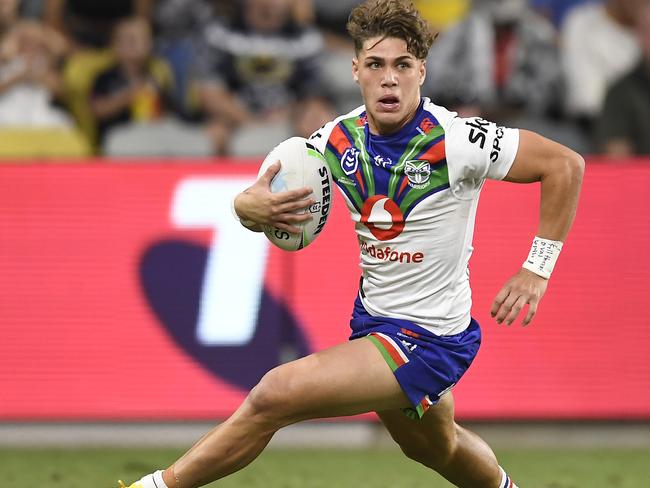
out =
column 347, row 379
column 439, row 443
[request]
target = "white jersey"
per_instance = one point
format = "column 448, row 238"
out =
column 413, row 198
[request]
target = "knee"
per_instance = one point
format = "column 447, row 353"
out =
column 434, row 452
column 268, row 400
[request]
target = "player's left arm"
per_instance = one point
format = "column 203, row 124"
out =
column 560, row 171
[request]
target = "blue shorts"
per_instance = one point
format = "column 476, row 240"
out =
column 425, row 365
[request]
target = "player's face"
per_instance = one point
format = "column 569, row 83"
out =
column 390, row 78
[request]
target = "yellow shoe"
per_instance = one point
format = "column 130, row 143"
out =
column 137, row 484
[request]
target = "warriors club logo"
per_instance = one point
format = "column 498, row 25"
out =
column 418, row 173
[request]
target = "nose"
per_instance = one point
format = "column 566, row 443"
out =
column 389, row 78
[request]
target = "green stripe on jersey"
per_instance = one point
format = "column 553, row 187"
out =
column 439, row 178
column 359, row 136
column 413, row 148
column 334, row 164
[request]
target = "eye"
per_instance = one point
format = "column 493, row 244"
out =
column 374, row 65
column 404, row 65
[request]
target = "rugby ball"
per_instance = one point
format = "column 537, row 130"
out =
column 301, row 165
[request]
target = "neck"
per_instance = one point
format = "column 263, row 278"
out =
column 379, row 129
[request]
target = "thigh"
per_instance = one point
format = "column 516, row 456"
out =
column 435, row 429
column 347, row 379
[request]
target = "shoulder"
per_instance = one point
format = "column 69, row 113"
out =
column 321, row 136
column 443, row 116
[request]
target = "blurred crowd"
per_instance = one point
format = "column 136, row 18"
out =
column 199, row 78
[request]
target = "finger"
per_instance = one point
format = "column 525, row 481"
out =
column 292, row 229
column 294, row 206
column 506, row 307
column 292, row 195
column 498, row 300
column 532, row 310
column 293, row 218
column 516, row 308
column 270, row 172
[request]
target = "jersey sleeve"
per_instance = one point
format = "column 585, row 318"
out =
column 320, row 137
column 477, row 150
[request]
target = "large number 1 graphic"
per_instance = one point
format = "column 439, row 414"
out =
column 234, row 274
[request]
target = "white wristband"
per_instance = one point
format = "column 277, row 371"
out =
column 244, row 222
column 542, row 257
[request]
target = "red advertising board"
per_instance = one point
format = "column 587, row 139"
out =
column 127, row 291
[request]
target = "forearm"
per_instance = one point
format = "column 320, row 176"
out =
column 560, row 190
column 104, row 107
column 218, row 102
column 559, row 170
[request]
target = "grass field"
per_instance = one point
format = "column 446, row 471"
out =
column 325, row 468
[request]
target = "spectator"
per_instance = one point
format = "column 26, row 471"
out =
column 259, row 75
column 624, row 126
column 30, row 57
column 500, row 62
column 177, row 27
column 138, row 86
column 90, row 23
column 598, row 45
column 331, row 18
column 132, row 101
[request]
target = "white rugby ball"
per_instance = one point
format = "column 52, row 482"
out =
column 301, row 165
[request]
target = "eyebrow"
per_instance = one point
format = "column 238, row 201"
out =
column 400, row 58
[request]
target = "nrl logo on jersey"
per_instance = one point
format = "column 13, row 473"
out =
column 350, row 160
column 418, row 173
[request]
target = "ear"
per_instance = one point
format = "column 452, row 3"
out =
column 355, row 69
column 423, row 71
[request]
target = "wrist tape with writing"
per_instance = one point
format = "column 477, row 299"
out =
column 542, row 257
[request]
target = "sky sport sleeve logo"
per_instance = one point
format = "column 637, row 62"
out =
column 479, row 134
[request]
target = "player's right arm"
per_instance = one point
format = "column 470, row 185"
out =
column 478, row 149
column 257, row 205
column 560, row 171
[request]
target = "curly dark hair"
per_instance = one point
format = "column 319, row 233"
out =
column 390, row 18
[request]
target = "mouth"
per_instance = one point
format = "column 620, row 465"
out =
column 389, row 103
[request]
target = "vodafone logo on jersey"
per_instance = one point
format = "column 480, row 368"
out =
column 391, row 254
column 383, row 217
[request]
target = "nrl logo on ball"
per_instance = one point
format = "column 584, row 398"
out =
column 418, row 173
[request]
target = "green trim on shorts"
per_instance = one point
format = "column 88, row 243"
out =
column 384, row 352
